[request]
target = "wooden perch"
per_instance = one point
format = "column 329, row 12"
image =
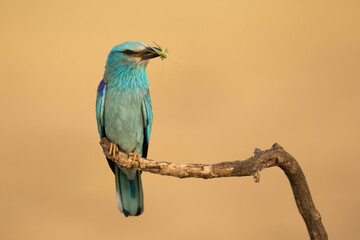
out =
column 276, row 156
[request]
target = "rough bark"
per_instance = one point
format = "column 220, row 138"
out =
column 276, row 156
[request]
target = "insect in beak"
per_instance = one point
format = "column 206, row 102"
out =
column 163, row 53
column 153, row 52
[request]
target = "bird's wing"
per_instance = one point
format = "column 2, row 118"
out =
column 100, row 100
column 100, row 105
column 147, row 116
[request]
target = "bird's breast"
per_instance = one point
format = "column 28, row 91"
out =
column 123, row 119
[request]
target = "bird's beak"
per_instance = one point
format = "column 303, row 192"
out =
column 149, row 53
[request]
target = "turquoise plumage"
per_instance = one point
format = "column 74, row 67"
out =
column 124, row 116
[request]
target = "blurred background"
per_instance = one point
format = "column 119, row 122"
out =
column 240, row 75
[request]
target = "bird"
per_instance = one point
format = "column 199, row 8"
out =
column 124, row 116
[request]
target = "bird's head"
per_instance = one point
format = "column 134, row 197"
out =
column 126, row 64
column 132, row 54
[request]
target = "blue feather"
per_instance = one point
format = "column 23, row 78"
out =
column 132, row 189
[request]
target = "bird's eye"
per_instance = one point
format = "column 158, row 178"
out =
column 128, row 52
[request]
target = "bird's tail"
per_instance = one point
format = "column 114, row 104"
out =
column 129, row 193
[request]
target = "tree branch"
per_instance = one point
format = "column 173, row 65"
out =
column 276, row 156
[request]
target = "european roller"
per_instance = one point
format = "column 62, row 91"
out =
column 124, row 116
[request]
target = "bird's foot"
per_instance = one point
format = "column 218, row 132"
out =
column 134, row 155
column 113, row 149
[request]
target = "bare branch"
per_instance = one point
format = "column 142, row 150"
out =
column 276, row 156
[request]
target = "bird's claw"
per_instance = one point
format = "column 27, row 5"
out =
column 135, row 156
column 113, row 149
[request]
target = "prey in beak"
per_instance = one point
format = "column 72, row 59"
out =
column 163, row 53
column 148, row 53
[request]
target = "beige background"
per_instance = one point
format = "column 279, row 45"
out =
column 240, row 75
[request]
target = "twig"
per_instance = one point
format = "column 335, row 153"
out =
column 276, row 156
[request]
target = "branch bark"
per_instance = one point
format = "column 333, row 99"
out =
column 276, row 156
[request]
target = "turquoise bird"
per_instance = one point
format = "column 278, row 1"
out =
column 124, row 116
